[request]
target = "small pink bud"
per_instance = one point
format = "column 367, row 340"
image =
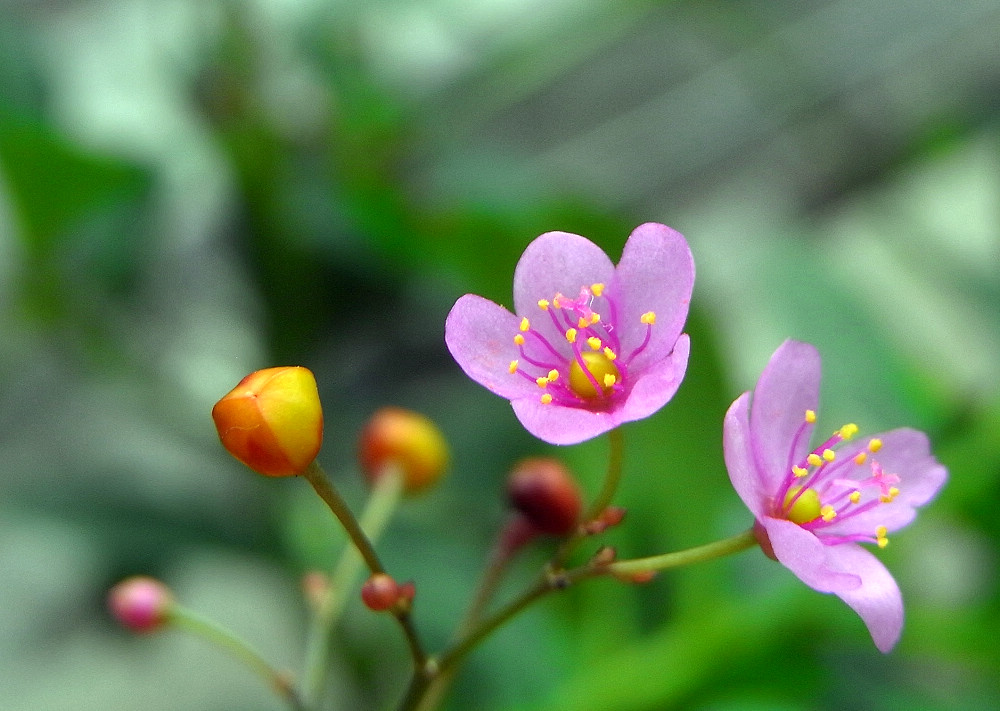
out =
column 544, row 491
column 408, row 440
column 141, row 604
column 380, row 592
column 611, row 516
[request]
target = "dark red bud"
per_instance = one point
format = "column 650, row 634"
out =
column 544, row 491
column 380, row 592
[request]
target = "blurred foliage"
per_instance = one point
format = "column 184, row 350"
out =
column 193, row 189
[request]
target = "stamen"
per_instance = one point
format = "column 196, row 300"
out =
column 571, row 335
column 513, row 367
column 880, row 536
column 525, row 325
column 553, row 375
column 594, row 318
column 855, row 497
column 583, row 322
column 597, row 289
column 542, row 382
column 828, row 513
column 543, row 304
column 648, row 318
column 874, row 445
column 829, row 455
column 848, row 431
column 519, row 339
column 594, row 342
column 609, row 380
column 609, row 354
column 861, row 458
column 546, row 399
column 814, row 459
column 810, row 416
column 799, row 472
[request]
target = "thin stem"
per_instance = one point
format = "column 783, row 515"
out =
column 225, row 639
column 616, row 457
column 324, row 487
column 716, row 549
column 382, row 503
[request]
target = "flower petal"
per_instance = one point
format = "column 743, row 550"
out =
column 738, row 453
column 556, row 424
column 656, row 273
column 787, row 388
column 653, row 387
column 877, row 600
column 479, row 334
column 558, row 262
column 811, row 561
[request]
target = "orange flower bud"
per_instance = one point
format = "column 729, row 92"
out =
column 272, row 421
column 408, row 440
column 141, row 604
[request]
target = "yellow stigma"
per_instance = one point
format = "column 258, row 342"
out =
column 571, row 335
column 597, row 289
column 600, row 367
column 512, row 367
column 543, row 304
column 874, row 445
column 810, row 416
column 848, row 431
column 829, row 455
column 519, row 340
column 799, row 472
column 806, row 507
column 545, row 399
column 828, row 513
column 553, row 375
column 609, row 354
column 648, row 318
column 594, row 342
column 525, row 324
column 861, row 458
column 814, row 459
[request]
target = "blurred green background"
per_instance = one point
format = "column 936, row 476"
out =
column 194, row 189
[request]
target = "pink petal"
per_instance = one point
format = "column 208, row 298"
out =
column 480, row 336
column 739, row 456
column 653, row 387
column 557, row 262
column 656, row 273
column 787, row 388
column 878, row 600
column 811, row 561
column 562, row 425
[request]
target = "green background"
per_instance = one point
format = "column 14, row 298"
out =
column 194, row 189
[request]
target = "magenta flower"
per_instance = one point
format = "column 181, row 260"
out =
column 814, row 506
column 592, row 345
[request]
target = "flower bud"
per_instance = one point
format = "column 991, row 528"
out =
column 272, row 421
column 141, row 604
column 544, row 491
column 408, row 440
column 381, row 592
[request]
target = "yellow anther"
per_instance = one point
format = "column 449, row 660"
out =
column 829, row 455
column 512, row 367
column 810, row 416
column 880, row 536
column 828, row 513
column 543, row 304
column 855, row 497
column 595, row 343
column 648, row 318
column 893, row 491
column 881, row 531
column 553, row 375
column 525, row 324
column 542, row 382
column 597, row 289
column 609, row 380
column 609, row 354
column 874, row 445
column 882, row 542
column 571, row 335
column 889, row 495
column 814, row 459
column 545, row 399
column 799, row 472
column 595, row 317
column 519, row 340
column 848, row 431
column 861, row 458
column 582, row 322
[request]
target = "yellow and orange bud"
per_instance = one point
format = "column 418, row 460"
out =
column 272, row 421
column 395, row 437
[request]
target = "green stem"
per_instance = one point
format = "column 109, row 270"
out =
column 225, row 639
column 324, row 487
column 716, row 549
column 616, row 457
column 382, row 503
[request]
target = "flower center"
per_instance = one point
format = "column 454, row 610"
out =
column 597, row 370
column 576, row 358
column 822, row 492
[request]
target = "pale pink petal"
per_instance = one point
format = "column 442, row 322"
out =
column 480, row 336
column 736, row 446
column 562, row 425
column 787, row 388
column 878, row 600
column 656, row 273
column 557, row 262
column 802, row 553
column 653, row 387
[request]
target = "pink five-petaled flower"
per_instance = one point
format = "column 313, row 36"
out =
column 592, row 345
column 813, row 506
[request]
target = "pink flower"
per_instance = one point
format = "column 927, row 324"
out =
column 814, row 506
column 591, row 345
